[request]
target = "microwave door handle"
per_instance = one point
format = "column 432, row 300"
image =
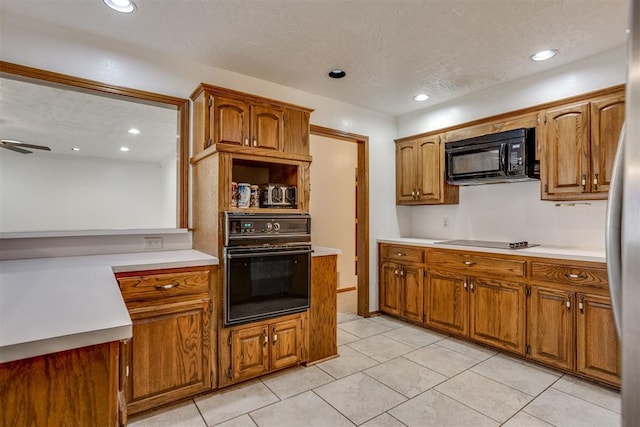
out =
column 502, row 159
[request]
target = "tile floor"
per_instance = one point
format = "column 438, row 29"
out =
column 392, row 374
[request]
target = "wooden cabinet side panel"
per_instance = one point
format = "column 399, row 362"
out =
column 76, row 387
column 390, row 292
column 206, row 194
column 498, row 314
column 286, row 343
column 550, row 329
column 296, row 131
column 598, row 347
column 567, row 150
column 607, row 117
column 447, row 302
column 323, row 311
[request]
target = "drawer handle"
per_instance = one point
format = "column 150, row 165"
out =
column 575, row 276
column 167, row 286
column 469, row 263
column 400, row 254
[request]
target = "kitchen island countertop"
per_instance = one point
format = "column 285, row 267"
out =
column 542, row 251
column 55, row 304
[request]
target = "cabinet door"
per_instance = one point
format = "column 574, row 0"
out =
column 390, row 291
column 412, row 293
column 551, row 337
column 567, row 151
column 168, row 355
column 607, row 117
column 497, row 313
column 447, row 302
column 430, row 174
column 406, row 176
column 267, row 131
column 230, row 121
column 286, row 343
column 249, row 352
column 597, row 340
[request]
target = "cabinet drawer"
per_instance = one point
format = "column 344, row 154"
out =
column 402, row 253
column 570, row 275
column 475, row 264
column 164, row 285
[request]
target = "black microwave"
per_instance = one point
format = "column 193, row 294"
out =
column 499, row 157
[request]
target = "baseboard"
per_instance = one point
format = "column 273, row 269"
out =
column 349, row 289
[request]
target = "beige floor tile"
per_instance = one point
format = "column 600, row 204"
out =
column 485, row 395
column 305, row 409
column 363, row 328
column 389, row 321
column 565, row 410
column 182, row 415
column 349, row 362
column 383, row 420
column 435, row 409
column 347, row 317
column 359, row 397
column 414, row 336
column 522, row 419
column 442, row 360
column 241, row 421
column 405, row 376
column 296, row 380
column 380, row 348
column 235, row 401
column 521, row 376
column 345, row 337
column 471, row 350
column 590, row 392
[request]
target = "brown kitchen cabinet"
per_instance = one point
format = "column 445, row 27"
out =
column 402, row 282
column 251, row 350
column 249, row 122
column 323, row 319
column 169, row 355
column 580, row 142
column 420, row 174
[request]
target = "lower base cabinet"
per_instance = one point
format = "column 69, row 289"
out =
column 248, row 351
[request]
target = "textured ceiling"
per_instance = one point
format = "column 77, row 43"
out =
column 390, row 49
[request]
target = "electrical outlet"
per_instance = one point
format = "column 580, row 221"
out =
column 153, row 242
column 445, row 222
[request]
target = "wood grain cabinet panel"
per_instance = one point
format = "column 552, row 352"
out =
column 447, row 301
column 598, row 348
column 250, row 355
column 570, row 274
column 406, row 172
column 404, row 254
column 164, row 285
column 267, row 126
column 476, row 264
column 498, row 314
column 412, row 289
column 286, row 343
column 230, row 124
column 607, row 118
column 551, row 325
column 390, row 288
column 322, row 313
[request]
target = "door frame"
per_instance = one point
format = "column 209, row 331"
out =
column 362, row 238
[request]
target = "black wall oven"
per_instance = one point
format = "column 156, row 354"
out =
column 267, row 265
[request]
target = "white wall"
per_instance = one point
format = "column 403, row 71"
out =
column 514, row 211
column 28, row 42
column 333, row 201
column 58, row 192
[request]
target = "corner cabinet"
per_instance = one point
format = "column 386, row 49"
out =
column 169, row 355
column 251, row 350
column 580, row 141
column 420, row 174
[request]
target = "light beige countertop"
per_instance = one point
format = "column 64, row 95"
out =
column 55, row 304
column 324, row 251
column 542, row 251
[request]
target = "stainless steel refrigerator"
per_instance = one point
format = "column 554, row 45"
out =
column 623, row 231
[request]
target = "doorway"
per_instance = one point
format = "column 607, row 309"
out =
column 359, row 212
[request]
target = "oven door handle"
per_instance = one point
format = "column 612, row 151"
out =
column 270, row 253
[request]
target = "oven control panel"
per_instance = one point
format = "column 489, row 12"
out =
column 264, row 225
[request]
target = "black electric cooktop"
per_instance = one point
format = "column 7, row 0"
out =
column 489, row 244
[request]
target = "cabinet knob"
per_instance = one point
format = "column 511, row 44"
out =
column 275, row 337
column 464, row 284
column 568, row 304
column 255, row 142
column 265, row 337
column 469, row 263
column 246, row 140
column 581, row 305
column 584, row 182
column 595, row 181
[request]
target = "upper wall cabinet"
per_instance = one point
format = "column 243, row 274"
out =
column 420, row 172
column 241, row 122
column 580, row 141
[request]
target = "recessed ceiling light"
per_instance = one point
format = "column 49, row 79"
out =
column 134, row 131
column 124, row 148
column 543, row 55
column 124, row 6
column 75, row 149
column 421, row 97
column 337, row 73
